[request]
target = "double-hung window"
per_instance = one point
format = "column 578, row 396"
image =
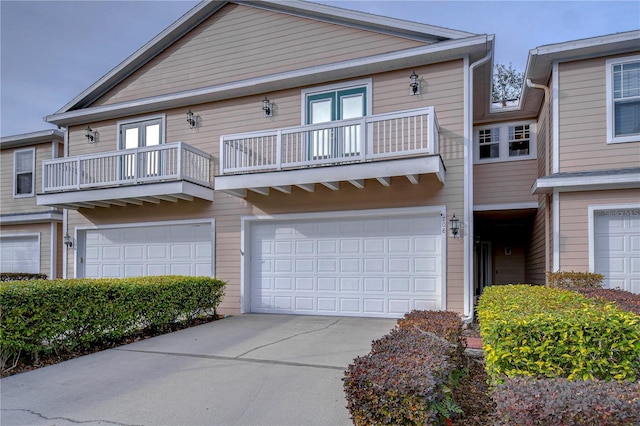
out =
column 623, row 99
column 329, row 104
column 505, row 142
column 140, row 134
column 24, row 164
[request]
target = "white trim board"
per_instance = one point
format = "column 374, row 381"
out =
column 506, row 206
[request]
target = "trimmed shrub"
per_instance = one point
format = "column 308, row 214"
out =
column 574, row 279
column 58, row 315
column 400, row 381
column 526, row 401
column 625, row 300
column 21, row 276
column 443, row 324
column 545, row 333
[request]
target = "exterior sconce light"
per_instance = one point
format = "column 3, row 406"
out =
column 414, row 84
column 91, row 135
column 267, row 107
column 192, row 120
column 454, row 226
column 67, row 241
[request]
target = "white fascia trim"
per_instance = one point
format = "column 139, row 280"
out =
column 506, row 206
column 345, row 69
column 591, row 221
column 81, row 245
column 245, row 238
column 555, row 142
column 585, row 183
column 36, row 217
column 587, row 42
column 32, row 138
column 556, row 230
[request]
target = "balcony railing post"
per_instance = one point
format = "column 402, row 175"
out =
column 279, row 149
column 180, row 165
column 78, row 172
column 223, row 156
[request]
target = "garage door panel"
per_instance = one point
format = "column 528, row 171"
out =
column 367, row 267
column 148, row 251
column 617, row 248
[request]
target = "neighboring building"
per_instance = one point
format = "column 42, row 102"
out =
column 314, row 158
column 30, row 235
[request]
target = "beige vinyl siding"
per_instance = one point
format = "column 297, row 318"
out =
column 245, row 114
column 504, row 182
column 535, row 259
column 11, row 205
column 241, row 42
column 574, row 220
column 44, row 229
column 583, row 121
column 542, row 139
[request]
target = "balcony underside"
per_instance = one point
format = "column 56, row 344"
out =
column 122, row 195
column 332, row 176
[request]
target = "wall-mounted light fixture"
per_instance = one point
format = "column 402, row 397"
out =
column 67, row 240
column 454, row 226
column 414, row 84
column 192, row 120
column 90, row 134
column 267, row 107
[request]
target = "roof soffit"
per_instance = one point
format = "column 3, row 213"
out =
column 204, row 10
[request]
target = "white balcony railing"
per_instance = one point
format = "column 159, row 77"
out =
column 363, row 139
column 160, row 163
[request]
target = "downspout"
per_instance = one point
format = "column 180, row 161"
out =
column 65, row 212
column 547, row 197
column 468, row 193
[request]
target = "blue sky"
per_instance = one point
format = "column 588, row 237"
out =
column 53, row 50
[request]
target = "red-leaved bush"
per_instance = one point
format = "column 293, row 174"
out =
column 624, row 299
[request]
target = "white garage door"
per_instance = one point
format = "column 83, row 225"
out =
column 20, row 254
column 149, row 250
column 360, row 267
column 617, row 248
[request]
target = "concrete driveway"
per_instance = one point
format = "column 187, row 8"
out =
column 245, row 370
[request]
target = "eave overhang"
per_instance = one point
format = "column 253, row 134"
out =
column 588, row 181
column 33, row 138
column 473, row 47
column 34, row 217
column 123, row 195
column 333, row 177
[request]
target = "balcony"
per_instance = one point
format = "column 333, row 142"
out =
column 168, row 172
column 375, row 147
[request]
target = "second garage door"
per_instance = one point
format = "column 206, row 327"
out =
column 184, row 249
column 382, row 266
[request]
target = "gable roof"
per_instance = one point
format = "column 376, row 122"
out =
column 33, row 138
column 390, row 26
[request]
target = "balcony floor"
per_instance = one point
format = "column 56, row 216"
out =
column 331, row 176
column 123, row 195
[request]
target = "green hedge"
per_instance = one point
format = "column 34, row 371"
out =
column 44, row 316
column 546, row 332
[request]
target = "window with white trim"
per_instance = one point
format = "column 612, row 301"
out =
column 623, row 99
column 141, row 132
column 24, row 165
column 505, row 142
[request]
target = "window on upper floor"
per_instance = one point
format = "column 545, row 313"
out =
column 623, row 99
column 141, row 132
column 505, row 142
column 24, row 164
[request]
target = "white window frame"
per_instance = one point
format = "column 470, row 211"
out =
column 503, row 142
column 611, row 138
column 121, row 124
column 33, row 173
